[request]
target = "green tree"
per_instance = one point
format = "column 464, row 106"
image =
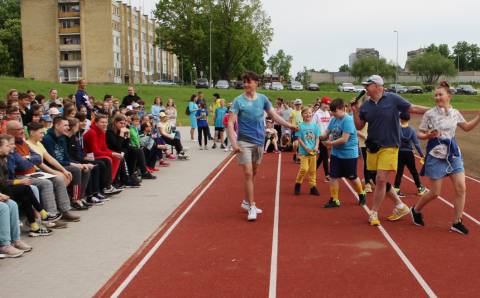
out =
column 442, row 49
column 240, row 29
column 303, row 77
column 372, row 65
column 466, row 56
column 431, row 66
column 344, row 68
column 10, row 38
column 280, row 64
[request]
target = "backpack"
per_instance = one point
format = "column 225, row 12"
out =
column 187, row 111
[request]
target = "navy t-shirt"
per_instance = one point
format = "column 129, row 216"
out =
column 383, row 118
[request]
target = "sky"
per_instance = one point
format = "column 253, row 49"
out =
column 322, row 34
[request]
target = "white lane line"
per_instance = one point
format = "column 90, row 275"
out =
column 468, row 177
column 448, row 203
column 272, row 292
column 150, row 253
column 397, row 249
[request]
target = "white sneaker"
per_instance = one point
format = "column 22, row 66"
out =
column 226, row 149
column 205, row 148
column 252, row 213
column 246, row 206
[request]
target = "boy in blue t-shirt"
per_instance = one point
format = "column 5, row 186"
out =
column 219, row 127
column 202, row 123
column 343, row 159
column 308, row 140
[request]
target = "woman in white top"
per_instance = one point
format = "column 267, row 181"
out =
column 443, row 157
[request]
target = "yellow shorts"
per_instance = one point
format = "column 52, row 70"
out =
column 385, row 159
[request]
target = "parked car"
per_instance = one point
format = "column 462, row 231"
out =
column 202, row 83
column 346, row 87
column 239, row 85
column 163, row 83
column 414, row 89
column 313, row 87
column 466, row 89
column 453, row 90
column 267, row 86
column 358, row 88
column 277, row 86
column 222, row 84
column 294, row 85
column 397, row 88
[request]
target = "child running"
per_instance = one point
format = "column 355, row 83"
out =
column 344, row 156
column 408, row 137
column 249, row 109
column 308, row 139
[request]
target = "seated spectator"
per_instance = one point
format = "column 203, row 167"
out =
column 21, row 192
column 23, row 161
column 169, row 136
column 55, row 144
column 153, row 151
column 133, row 124
column 25, row 112
column 10, row 244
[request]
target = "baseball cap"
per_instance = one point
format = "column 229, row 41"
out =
column 135, row 105
column 47, row 118
column 326, row 100
column 297, row 101
column 53, row 111
column 375, row 79
column 162, row 114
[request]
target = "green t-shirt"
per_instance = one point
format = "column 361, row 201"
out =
column 134, row 139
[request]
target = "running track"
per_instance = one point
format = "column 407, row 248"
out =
column 206, row 248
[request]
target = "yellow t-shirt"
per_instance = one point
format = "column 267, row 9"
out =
column 38, row 148
column 296, row 117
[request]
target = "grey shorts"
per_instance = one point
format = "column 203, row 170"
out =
column 251, row 153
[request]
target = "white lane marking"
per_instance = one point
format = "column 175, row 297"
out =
column 448, row 203
column 150, row 253
column 397, row 249
column 272, row 292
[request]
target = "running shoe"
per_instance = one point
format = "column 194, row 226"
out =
column 422, row 190
column 327, row 178
column 399, row 193
column 373, row 218
column 53, row 217
column 112, row 190
column 95, row 201
column 417, row 218
column 362, row 199
column 246, row 206
column 296, row 189
column 332, row 203
column 41, row 231
column 368, row 188
column 214, row 146
column 252, row 213
column 459, row 228
column 314, row 191
column 399, row 213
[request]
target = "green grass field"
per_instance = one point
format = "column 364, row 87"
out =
column 181, row 94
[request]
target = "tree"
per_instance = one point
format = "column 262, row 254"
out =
column 11, row 62
column 466, row 56
column 280, row 64
column 303, row 77
column 344, row 68
column 241, row 34
column 442, row 49
column 430, row 66
column 372, row 65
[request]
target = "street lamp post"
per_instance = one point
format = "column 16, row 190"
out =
column 396, row 67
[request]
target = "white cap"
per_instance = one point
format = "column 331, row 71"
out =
column 53, row 111
column 297, row 101
column 375, row 79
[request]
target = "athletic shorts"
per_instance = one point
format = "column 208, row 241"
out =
column 343, row 167
column 385, row 159
column 250, row 153
column 294, row 136
column 220, row 129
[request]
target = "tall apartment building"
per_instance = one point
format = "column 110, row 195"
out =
column 362, row 53
column 102, row 41
column 411, row 55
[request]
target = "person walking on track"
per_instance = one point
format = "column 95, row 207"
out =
column 443, row 157
column 249, row 109
column 381, row 111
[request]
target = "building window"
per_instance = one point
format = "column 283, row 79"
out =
column 70, row 23
column 70, row 40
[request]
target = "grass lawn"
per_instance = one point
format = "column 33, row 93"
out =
column 181, row 94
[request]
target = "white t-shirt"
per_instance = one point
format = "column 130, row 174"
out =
column 446, row 124
column 322, row 118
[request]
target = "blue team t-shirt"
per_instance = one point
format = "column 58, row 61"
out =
column 202, row 122
column 345, row 125
column 308, row 133
column 251, row 124
column 219, row 115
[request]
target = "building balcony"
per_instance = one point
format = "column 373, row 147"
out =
column 68, row 14
column 68, row 63
column 70, row 47
column 68, row 1
column 69, row 30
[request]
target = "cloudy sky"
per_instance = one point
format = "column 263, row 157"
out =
column 322, row 34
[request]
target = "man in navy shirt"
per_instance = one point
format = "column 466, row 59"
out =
column 381, row 111
column 82, row 99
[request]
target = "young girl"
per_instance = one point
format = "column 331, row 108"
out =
column 443, row 157
column 308, row 138
column 202, row 123
column 157, row 107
